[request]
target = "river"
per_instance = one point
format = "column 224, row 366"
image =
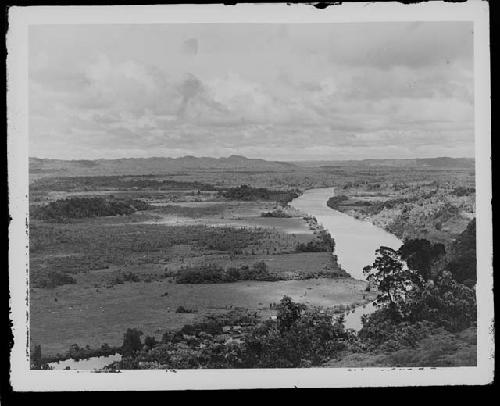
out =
column 355, row 245
column 355, row 240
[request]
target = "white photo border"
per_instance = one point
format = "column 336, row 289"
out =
column 24, row 379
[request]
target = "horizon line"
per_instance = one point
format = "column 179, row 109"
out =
column 245, row 157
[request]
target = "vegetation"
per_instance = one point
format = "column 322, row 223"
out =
column 84, row 183
column 215, row 274
column 394, row 281
column 131, row 342
column 81, row 207
column 296, row 339
column 83, row 247
column 276, row 213
column 335, row 201
column 323, row 243
column 412, row 310
column 420, row 255
column 427, row 309
column 75, row 352
column 247, row 193
column 408, row 207
column 182, row 309
column 463, row 265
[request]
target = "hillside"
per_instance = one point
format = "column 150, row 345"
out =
column 423, row 163
column 155, row 165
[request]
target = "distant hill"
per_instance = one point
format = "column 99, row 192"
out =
column 156, row 165
column 431, row 163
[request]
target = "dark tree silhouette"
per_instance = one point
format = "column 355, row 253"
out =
column 131, row 341
column 420, row 254
column 393, row 279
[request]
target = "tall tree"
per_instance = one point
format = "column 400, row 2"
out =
column 393, row 279
column 420, row 254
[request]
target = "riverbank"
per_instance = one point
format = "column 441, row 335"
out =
column 438, row 213
column 355, row 241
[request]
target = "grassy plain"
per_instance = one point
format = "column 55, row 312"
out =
column 85, row 315
column 182, row 228
column 190, row 224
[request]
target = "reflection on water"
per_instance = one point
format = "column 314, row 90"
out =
column 86, row 364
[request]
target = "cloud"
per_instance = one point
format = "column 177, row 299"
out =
column 190, row 46
column 284, row 91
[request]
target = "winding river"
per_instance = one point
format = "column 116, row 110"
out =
column 355, row 240
column 355, row 245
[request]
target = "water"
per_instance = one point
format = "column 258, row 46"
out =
column 355, row 240
column 355, row 245
column 86, row 364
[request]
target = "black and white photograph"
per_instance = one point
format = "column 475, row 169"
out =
column 250, row 196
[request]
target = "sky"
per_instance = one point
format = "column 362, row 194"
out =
column 273, row 91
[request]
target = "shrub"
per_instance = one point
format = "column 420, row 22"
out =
column 131, row 341
column 182, row 309
column 335, row 201
column 323, row 243
column 215, row 274
column 150, row 341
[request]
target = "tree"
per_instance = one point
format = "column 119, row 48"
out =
column 463, row 266
column 447, row 303
column 131, row 341
column 420, row 254
column 288, row 313
column 150, row 341
column 393, row 279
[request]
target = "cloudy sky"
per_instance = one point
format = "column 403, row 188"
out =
column 273, row 91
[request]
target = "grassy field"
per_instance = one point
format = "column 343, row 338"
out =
column 91, row 316
column 120, row 267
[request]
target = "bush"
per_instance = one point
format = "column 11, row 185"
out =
column 150, row 341
column 323, row 243
column 131, row 342
column 335, row 201
column 215, row 274
column 182, row 309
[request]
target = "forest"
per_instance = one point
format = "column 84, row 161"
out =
column 83, row 207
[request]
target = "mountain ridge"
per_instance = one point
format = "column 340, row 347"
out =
column 41, row 167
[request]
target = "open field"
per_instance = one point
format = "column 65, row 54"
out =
column 93, row 316
column 118, row 272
